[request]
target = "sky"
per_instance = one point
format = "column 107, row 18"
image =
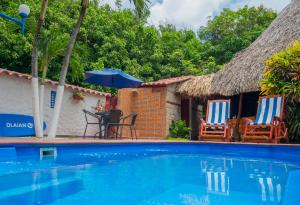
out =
column 193, row 13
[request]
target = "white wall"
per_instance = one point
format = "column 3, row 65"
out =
column 15, row 98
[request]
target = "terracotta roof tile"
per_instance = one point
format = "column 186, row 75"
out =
column 73, row 87
column 164, row 82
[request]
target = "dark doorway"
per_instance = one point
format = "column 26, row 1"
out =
column 185, row 111
column 250, row 101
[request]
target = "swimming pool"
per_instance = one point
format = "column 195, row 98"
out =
column 149, row 174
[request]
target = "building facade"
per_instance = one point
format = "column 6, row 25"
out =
column 16, row 98
column 157, row 105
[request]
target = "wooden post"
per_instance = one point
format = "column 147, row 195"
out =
column 236, row 132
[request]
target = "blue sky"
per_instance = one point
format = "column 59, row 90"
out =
column 193, row 13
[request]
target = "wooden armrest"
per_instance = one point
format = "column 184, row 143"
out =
column 276, row 121
column 202, row 121
column 227, row 122
column 248, row 121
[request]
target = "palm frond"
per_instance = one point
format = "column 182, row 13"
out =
column 141, row 7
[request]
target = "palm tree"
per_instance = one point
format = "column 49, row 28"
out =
column 34, row 71
column 64, row 70
column 140, row 5
column 52, row 45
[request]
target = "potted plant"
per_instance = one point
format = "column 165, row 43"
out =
column 77, row 95
column 99, row 107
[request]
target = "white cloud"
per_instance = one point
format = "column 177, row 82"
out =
column 276, row 5
column 125, row 3
column 187, row 13
column 194, row 13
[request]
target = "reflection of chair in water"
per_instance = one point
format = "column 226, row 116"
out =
column 270, row 190
column 267, row 180
column 217, row 181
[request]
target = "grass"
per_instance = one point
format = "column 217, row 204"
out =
column 176, row 138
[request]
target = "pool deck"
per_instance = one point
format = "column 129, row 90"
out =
column 64, row 140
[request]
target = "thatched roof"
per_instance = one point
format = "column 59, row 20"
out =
column 196, row 87
column 243, row 72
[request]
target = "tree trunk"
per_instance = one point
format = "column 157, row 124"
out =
column 34, row 71
column 42, row 90
column 63, row 73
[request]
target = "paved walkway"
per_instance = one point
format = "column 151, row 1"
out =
column 79, row 140
column 65, row 140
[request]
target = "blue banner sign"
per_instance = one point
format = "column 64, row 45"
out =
column 14, row 125
column 52, row 98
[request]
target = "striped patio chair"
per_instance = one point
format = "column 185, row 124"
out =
column 268, row 125
column 216, row 127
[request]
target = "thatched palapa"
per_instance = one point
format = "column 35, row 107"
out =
column 243, row 73
column 196, row 87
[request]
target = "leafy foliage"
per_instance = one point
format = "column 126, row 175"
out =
column 293, row 119
column 232, row 31
column 282, row 73
column 119, row 38
column 282, row 76
column 178, row 129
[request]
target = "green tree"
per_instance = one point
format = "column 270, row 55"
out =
column 232, row 31
column 140, row 6
column 118, row 38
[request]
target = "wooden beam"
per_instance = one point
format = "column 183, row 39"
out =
column 236, row 129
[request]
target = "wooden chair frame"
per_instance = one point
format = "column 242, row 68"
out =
column 213, row 131
column 266, row 132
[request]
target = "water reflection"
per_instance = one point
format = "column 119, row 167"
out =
column 175, row 179
column 229, row 177
column 40, row 187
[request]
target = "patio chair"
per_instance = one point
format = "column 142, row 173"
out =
column 216, row 125
column 131, row 124
column 113, row 121
column 268, row 125
column 86, row 113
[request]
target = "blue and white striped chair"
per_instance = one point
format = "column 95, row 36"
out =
column 216, row 127
column 268, row 124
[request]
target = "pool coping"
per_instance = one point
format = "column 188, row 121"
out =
column 92, row 141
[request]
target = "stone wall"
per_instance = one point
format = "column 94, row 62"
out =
column 173, row 105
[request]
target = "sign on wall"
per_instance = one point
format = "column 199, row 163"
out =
column 52, row 98
column 14, row 125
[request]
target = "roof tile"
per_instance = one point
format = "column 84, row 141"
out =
column 164, row 82
column 73, row 87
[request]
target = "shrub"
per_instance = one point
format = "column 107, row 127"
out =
column 282, row 76
column 179, row 129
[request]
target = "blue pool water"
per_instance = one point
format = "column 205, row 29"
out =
column 150, row 174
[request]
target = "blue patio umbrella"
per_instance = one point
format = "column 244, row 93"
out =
column 113, row 78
